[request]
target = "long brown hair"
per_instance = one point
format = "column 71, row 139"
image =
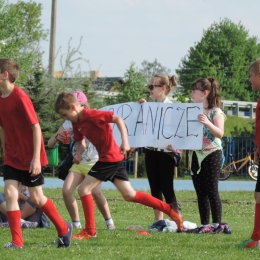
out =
column 212, row 86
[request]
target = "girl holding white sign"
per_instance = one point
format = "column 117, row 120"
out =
column 206, row 163
column 160, row 163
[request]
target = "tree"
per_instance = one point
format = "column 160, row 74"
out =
column 151, row 68
column 20, row 34
column 224, row 52
column 133, row 88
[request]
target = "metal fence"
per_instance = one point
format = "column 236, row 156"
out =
column 238, row 146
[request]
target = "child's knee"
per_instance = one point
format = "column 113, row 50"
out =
column 128, row 196
column 66, row 192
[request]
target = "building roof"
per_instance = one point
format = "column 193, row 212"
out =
column 106, row 83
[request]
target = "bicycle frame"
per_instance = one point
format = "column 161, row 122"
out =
column 234, row 163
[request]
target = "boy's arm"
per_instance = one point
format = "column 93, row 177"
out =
column 79, row 151
column 121, row 127
column 35, row 165
column 3, row 140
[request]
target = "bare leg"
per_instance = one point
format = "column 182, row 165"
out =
column 27, row 210
column 101, row 201
column 3, row 208
column 158, row 214
column 70, row 184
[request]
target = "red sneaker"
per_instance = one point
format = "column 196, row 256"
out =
column 83, row 235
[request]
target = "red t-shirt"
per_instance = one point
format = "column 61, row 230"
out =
column 257, row 124
column 95, row 126
column 17, row 115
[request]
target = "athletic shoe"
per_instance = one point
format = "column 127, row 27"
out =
column 176, row 217
column 111, row 227
column 191, row 230
column 28, row 224
column 4, row 224
column 11, row 245
column 64, row 241
column 76, row 225
column 222, row 228
column 83, row 235
column 249, row 243
column 206, row 229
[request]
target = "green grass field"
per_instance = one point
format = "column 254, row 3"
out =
column 238, row 212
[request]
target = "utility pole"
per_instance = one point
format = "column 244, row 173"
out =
column 52, row 38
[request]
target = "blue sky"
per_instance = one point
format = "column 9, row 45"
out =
column 118, row 32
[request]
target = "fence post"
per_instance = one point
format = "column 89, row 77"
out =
column 136, row 163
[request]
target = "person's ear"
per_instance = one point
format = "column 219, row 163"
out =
column 72, row 106
column 205, row 92
column 6, row 75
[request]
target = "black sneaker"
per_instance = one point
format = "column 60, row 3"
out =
column 64, row 241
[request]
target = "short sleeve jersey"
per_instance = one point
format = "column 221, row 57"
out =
column 95, row 126
column 17, row 115
column 257, row 125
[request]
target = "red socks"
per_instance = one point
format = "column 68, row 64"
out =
column 256, row 232
column 14, row 217
column 52, row 213
column 150, row 201
column 88, row 208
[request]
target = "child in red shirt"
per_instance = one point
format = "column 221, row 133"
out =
column 254, row 241
column 95, row 126
column 24, row 155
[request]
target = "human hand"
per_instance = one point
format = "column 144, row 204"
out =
column 125, row 147
column 77, row 159
column 35, row 167
column 142, row 100
column 169, row 148
column 60, row 137
column 203, row 119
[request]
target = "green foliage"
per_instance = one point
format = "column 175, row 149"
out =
column 224, row 52
column 238, row 126
column 151, row 68
column 141, row 171
column 20, row 34
column 132, row 89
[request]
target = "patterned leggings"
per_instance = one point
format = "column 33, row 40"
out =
column 206, row 186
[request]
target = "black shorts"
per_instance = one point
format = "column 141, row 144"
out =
column 257, row 186
column 24, row 177
column 108, row 171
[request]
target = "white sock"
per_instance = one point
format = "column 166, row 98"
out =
column 76, row 223
column 109, row 221
column 215, row 225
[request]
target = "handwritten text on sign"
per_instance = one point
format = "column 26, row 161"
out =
column 160, row 124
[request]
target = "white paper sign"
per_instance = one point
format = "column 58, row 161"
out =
column 160, row 124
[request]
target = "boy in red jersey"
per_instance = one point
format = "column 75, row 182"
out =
column 254, row 241
column 95, row 126
column 24, row 155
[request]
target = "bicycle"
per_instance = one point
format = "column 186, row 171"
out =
column 231, row 167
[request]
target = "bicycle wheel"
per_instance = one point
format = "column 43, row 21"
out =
column 225, row 172
column 253, row 171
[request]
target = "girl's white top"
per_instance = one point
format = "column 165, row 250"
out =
column 90, row 155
